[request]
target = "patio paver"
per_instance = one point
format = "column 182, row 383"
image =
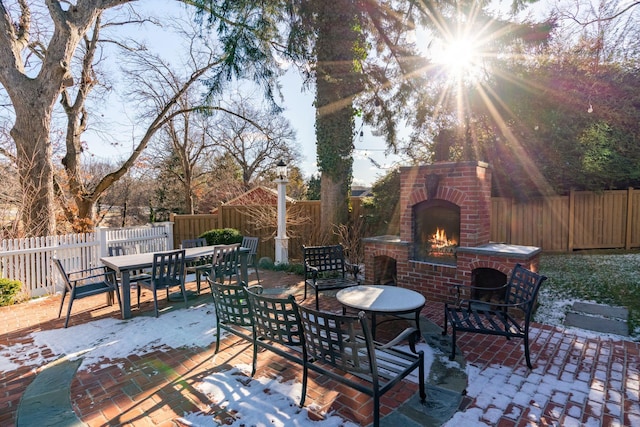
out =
column 578, row 378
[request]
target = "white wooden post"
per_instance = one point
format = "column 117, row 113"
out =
column 101, row 236
column 282, row 241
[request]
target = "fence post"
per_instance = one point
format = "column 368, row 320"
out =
column 101, row 236
column 627, row 239
column 169, row 230
column 572, row 208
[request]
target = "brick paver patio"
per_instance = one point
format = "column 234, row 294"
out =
column 578, row 378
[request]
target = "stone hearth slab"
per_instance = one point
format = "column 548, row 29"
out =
column 601, row 310
column 598, row 318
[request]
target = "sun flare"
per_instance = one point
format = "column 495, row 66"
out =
column 460, row 57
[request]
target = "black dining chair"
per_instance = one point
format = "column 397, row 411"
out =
column 86, row 283
column 226, row 261
column 193, row 243
column 251, row 243
column 199, row 266
column 135, row 275
column 167, row 271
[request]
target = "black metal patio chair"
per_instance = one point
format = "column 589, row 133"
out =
column 201, row 266
column 277, row 328
column 509, row 319
column 338, row 344
column 135, row 275
column 233, row 312
column 251, row 243
column 85, row 283
column 167, row 271
column 226, row 260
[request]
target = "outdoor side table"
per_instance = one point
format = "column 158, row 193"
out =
column 383, row 300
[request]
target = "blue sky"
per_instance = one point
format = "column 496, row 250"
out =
column 298, row 110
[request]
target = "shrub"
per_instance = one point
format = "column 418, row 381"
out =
column 222, row 236
column 9, row 291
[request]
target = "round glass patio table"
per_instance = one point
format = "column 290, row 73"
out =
column 383, row 300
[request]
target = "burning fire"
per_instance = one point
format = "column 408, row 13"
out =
column 439, row 240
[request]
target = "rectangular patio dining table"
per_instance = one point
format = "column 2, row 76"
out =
column 125, row 264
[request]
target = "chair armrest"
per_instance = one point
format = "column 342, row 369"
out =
column 353, row 269
column 468, row 302
column 410, row 334
column 89, row 274
column 457, row 289
column 312, row 271
column 256, row 289
column 459, row 285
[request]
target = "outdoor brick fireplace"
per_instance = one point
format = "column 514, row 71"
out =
column 445, row 227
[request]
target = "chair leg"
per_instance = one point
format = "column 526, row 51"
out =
column 376, row 409
column 257, row 275
column 155, row 301
column 446, row 321
column 66, row 322
column 64, row 295
column 526, row 350
column 138, row 292
column 217, row 335
column 117, row 291
column 453, row 343
column 255, row 358
column 423, row 393
column 305, row 374
column 184, row 293
column 317, row 300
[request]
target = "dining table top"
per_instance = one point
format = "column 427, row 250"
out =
column 142, row 260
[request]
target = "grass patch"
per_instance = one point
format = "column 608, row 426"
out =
column 605, row 278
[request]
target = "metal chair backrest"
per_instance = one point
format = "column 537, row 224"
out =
column 276, row 319
column 232, row 305
column 80, row 278
column 168, row 269
column 225, row 262
column 333, row 339
column 251, row 243
column 522, row 289
column 324, row 259
column 277, row 328
column 63, row 273
column 122, row 250
column 116, row 251
column 85, row 283
column 193, row 243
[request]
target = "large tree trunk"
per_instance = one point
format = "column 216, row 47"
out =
column 33, row 97
column 336, row 84
column 35, row 170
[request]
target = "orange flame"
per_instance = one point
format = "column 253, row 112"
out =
column 439, row 239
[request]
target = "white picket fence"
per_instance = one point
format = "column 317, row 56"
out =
column 29, row 260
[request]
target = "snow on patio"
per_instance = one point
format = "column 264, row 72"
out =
column 576, row 372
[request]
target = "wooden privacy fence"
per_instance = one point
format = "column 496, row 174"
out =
column 581, row 220
column 257, row 220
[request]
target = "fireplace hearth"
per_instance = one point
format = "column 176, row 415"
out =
column 445, row 229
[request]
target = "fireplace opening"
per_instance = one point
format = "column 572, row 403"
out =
column 385, row 272
column 436, row 231
column 484, row 278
